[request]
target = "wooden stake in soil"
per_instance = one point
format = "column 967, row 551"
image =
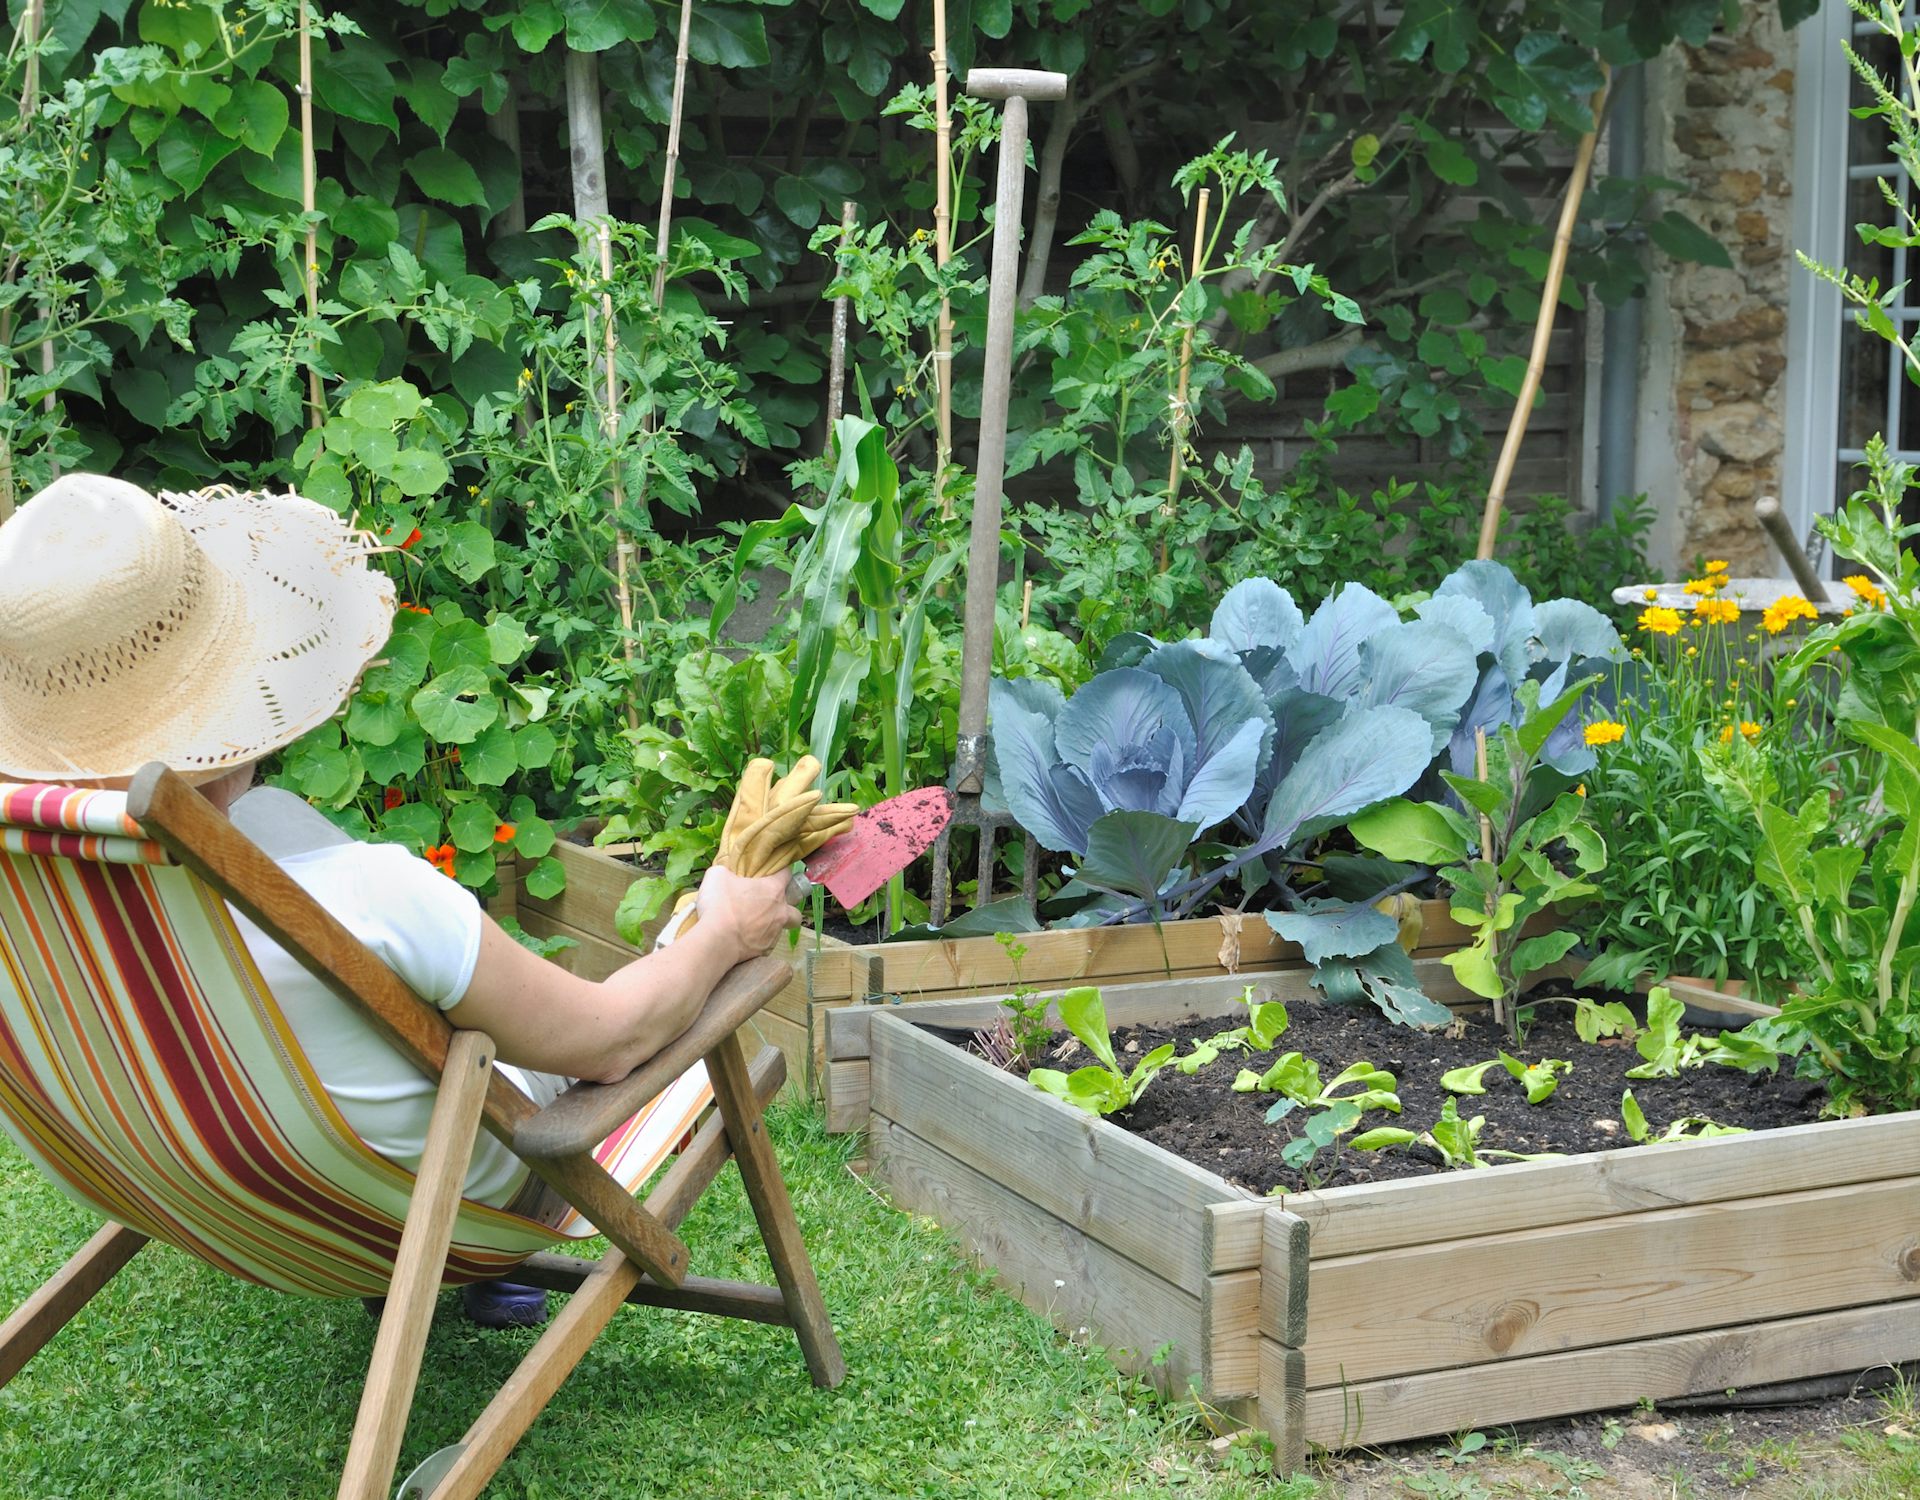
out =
column 1182, row 417
column 837, row 353
column 1486, row 852
column 942, row 252
column 1542, row 328
column 310, row 267
column 662, row 234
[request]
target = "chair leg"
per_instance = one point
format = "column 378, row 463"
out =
column 773, row 1210
column 63, row 1294
column 395, row 1368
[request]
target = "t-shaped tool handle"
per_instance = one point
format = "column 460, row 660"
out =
column 1015, row 83
column 1016, row 86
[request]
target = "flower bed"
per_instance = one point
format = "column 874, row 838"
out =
column 1383, row 1311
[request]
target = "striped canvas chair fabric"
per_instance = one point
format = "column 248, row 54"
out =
column 147, row 1070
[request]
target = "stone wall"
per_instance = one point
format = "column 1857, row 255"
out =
column 1720, row 119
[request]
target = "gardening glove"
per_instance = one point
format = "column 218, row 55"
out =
column 770, row 827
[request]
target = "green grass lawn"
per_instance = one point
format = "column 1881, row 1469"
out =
column 179, row 1382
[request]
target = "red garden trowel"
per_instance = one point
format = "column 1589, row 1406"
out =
column 883, row 841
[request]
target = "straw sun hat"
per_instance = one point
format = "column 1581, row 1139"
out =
column 202, row 630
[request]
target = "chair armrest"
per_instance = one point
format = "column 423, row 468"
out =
column 588, row 1113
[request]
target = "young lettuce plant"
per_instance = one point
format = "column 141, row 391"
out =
column 1103, row 1089
column 1687, row 1128
column 1266, row 1020
column 1457, row 1141
column 1297, row 1078
column 1497, row 888
column 1538, row 1079
column 1668, row 1050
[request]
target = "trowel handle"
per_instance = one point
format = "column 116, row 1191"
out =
column 1766, row 510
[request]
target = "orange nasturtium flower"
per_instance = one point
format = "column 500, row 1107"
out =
column 1867, row 590
column 503, row 833
column 1784, row 611
column 1605, row 732
column 1660, row 621
column 393, row 798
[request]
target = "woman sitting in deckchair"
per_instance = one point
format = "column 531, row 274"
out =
column 207, row 631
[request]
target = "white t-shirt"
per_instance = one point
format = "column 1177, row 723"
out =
column 426, row 928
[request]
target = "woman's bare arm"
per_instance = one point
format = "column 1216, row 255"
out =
column 544, row 1018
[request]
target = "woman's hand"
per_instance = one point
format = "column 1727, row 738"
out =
column 750, row 913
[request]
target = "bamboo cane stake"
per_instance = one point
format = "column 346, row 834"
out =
column 310, row 267
column 1543, row 326
column 1182, row 416
column 610, row 421
column 837, row 353
column 29, row 100
column 35, row 28
column 673, row 151
column 942, row 252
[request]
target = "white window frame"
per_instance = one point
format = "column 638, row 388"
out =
column 1810, row 455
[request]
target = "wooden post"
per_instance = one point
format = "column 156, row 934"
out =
column 837, row 353
column 942, row 253
column 1182, row 419
column 310, row 266
column 1542, row 328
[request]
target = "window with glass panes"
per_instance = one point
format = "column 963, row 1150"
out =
column 1874, row 394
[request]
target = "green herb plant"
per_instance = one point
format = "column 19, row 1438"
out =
column 1101, row 1088
column 1542, row 850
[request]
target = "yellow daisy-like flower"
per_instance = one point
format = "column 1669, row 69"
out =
column 1659, row 621
column 1719, row 611
column 1650, row 593
column 1750, row 729
column 1784, row 611
column 1717, row 565
column 1726, row 734
column 1704, row 585
column 1605, row 732
column 1866, row 590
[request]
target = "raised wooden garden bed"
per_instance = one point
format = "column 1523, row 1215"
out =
column 1380, row 1312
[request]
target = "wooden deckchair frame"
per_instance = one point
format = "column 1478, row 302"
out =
column 648, row 1263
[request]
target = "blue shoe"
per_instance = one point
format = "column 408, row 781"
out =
column 502, row 1304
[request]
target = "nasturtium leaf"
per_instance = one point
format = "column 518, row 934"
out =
column 416, row 472
column 536, row 747
column 533, row 836
column 414, row 824
column 376, row 718
column 545, row 880
column 459, row 642
column 456, row 705
column 402, row 759
column 469, row 555
column 471, row 826
column 490, row 760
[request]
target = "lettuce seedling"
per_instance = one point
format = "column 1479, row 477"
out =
column 1687, row 1128
column 1457, row 1141
column 1538, row 1079
column 1667, row 1050
column 1101, row 1089
column 1468, row 1080
column 1266, row 1020
column 1297, row 1078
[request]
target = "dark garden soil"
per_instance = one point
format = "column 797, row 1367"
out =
column 1200, row 1118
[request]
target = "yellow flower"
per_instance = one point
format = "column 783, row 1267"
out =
column 473, row 489
column 1660, row 621
column 1605, row 732
column 1719, row 611
column 1750, row 729
column 1784, row 611
column 1703, row 585
column 1867, row 589
column 1793, row 703
column 1717, row 565
column 1651, row 594
column 1580, row 790
column 1739, row 661
column 1726, row 734
column 1693, row 650
column 526, row 376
